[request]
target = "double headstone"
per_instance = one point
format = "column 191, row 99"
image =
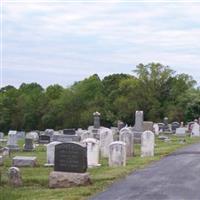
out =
column 147, row 144
column 126, row 136
column 117, row 154
column 70, row 165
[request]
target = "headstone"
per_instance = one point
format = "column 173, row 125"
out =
column 106, row 137
column 14, row 177
column 34, row 135
column 148, row 126
column 156, row 129
column 65, row 138
column 1, row 135
column 92, row 152
column 85, row 134
column 138, row 127
column 166, row 127
column 24, row 161
column 117, row 154
column 20, row 135
column 175, row 125
column 49, row 132
column 190, row 125
column 147, row 144
column 70, row 131
column 96, row 116
column 12, row 141
column 126, row 136
column 161, row 127
column 195, row 129
column 28, row 146
column 120, row 125
column 5, row 151
column 44, row 139
column 70, row 157
column 51, row 153
column 139, row 121
column 180, row 131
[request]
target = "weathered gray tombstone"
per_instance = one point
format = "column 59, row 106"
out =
column 126, row 136
column 70, row 165
column 156, row 129
column 44, row 139
column 28, row 146
column 175, row 125
column 24, row 161
column 120, row 125
column 51, row 153
column 12, row 141
column 106, row 137
column 1, row 135
column 147, row 144
column 96, row 116
column 92, row 152
column 14, row 177
column 33, row 135
column 69, row 131
column 138, row 127
column 117, row 154
column 148, row 126
column 195, row 129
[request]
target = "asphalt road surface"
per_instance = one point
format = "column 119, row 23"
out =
column 175, row 177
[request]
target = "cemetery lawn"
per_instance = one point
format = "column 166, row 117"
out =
column 35, row 180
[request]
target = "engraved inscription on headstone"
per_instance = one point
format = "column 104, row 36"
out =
column 70, row 157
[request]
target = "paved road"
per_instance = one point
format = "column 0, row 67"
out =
column 175, row 177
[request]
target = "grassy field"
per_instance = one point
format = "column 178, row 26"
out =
column 35, row 180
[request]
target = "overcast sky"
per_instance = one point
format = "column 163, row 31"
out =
column 64, row 42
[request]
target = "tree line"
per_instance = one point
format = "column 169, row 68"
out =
column 154, row 88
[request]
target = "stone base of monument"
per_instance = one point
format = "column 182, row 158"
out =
column 68, row 179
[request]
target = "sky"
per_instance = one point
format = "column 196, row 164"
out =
column 60, row 42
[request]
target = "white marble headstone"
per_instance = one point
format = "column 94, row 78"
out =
column 51, row 153
column 92, row 152
column 106, row 137
column 156, row 129
column 195, row 129
column 126, row 136
column 117, row 154
column 147, row 144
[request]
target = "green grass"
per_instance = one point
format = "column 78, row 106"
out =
column 35, row 180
